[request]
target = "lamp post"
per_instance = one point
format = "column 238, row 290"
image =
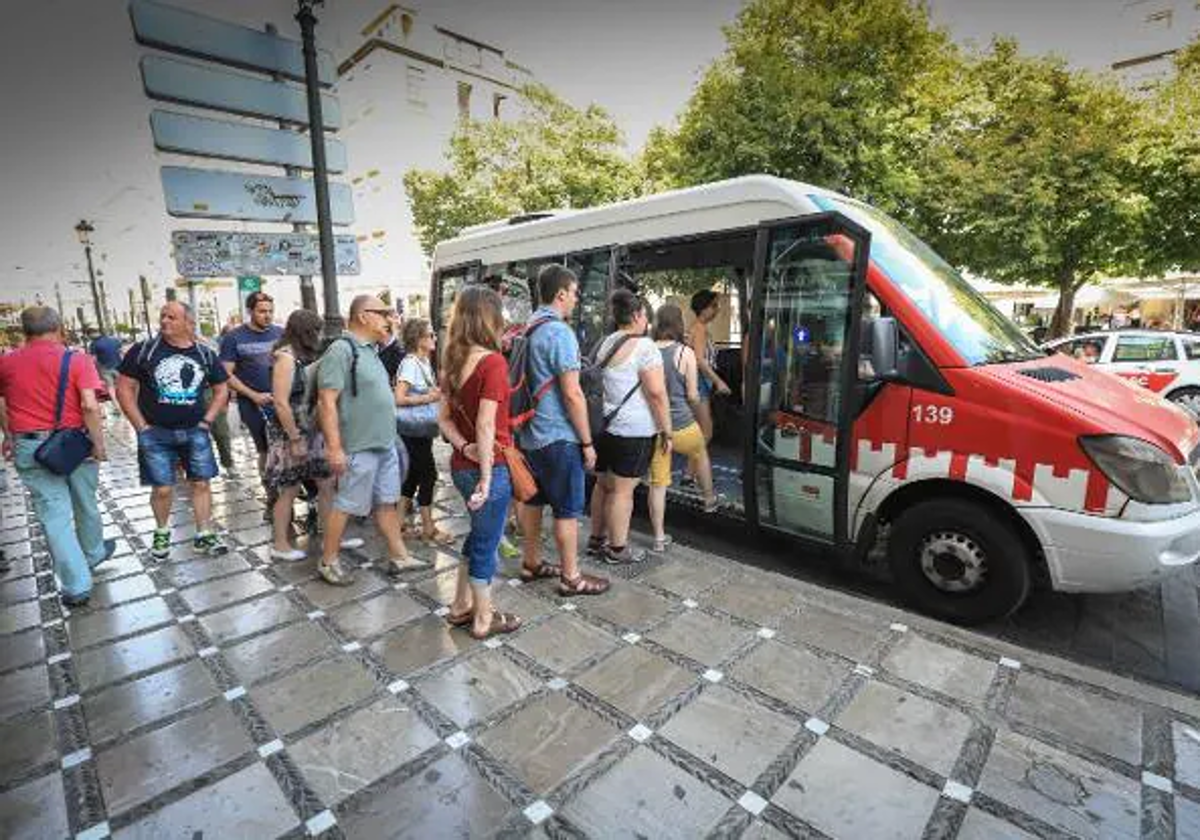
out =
column 84, row 230
column 316, row 133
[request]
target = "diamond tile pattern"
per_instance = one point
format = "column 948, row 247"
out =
column 697, row 698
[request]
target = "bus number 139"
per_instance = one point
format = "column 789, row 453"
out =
column 942, row 415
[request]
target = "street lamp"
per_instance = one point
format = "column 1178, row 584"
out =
column 316, row 134
column 85, row 230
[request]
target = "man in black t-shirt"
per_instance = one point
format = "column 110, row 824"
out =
column 161, row 391
column 391, row 352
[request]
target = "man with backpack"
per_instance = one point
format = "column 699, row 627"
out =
column 356, row 411
column 161, row 390
column 553, row 432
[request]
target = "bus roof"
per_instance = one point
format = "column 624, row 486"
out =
column 724, row 205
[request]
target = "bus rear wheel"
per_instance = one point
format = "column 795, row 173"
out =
column 959, row 561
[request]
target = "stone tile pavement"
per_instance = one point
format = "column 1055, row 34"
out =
column 230, row 697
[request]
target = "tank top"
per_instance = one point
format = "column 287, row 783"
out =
column 681, row 410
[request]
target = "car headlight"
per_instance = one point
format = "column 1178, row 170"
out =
column 1138, row 468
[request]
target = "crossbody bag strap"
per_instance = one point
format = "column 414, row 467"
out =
column 608, row 418
column 64, row 375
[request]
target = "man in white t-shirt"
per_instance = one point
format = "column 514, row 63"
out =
column 638, row 418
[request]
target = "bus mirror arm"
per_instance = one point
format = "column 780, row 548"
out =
column 884, row 344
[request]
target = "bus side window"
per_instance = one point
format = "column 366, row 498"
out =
column 592, row 270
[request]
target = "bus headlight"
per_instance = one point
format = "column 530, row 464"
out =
column 1138, row 468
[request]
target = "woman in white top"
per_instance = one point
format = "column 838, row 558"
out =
column 415, row 385
column 638, row 419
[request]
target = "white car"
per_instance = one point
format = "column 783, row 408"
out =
column 1167, row 363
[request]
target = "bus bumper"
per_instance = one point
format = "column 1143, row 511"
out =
column 1097, row 554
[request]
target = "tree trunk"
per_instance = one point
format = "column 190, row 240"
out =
column 1064, row 314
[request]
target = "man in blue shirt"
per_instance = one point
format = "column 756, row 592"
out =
column 246, row 354
column 106, row 350
column 557, row 440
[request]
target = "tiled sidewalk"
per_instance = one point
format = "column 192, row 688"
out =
column 237, row 698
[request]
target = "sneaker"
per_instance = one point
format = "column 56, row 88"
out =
column 291, row 555
column 335, row 573
column 160, row 549
column 625, row 556
column 596, row 547
column 664, row 545
column 509, row 551
column 76, row 600
column 351, row 543
column 397, row 565
column 210, row 543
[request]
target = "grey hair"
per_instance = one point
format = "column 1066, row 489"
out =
column 40, row 320
column 188, row 312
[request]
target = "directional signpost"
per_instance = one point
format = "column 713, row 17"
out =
column 245, row 72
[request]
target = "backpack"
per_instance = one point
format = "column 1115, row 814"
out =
column 148, row 348
column 310, row 376
column 522, row 399
column 591, row 380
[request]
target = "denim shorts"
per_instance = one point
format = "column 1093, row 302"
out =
column 487, row 523
column 161, row 450
column 558, row 470
column 371, row 480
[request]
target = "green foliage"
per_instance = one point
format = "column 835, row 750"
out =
column 839, row 94
column 553, row 156
column 1169, row 157
column 1033, row 175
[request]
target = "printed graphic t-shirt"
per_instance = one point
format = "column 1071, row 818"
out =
column 250, row 351
column 172, row 381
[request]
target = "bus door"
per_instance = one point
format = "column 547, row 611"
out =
column 809, row 281
column 593, row 268
column 446, row 284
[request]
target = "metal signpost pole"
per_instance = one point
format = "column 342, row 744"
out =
column 85, row 230
column 145, row 302
column 316, row 132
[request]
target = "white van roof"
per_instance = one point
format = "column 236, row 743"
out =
column 724, row 205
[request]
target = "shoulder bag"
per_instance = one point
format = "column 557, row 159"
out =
column 65, row 449
column 418, row 420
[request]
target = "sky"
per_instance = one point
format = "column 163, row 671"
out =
column 76, row 142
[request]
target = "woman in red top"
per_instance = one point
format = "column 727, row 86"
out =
column 474, row 419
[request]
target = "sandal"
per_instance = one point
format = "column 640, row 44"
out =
column 460, row 620
column 501, row 623
column 438, row 537
column 582, row 585
column 715, row 505
column 543, row 570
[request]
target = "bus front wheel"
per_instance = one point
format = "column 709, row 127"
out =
column 959, row 561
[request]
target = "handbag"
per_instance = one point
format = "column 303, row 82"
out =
column 65, row 449
column 418, row 420
column 524, row 485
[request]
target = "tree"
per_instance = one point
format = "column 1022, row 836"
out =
column 1033, row 176
column 1169, row 157
column 553, row 156
column 839, row 94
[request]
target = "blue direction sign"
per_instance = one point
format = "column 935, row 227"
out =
column 208, row 194
column 218, row 253
column 176, row 30
column 222, row 90
column 186, row 134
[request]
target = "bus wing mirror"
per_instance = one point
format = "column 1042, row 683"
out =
column 885, row 340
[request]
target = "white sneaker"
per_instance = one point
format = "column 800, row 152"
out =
column 405, row 564
column 292, row 555
column 353, row 543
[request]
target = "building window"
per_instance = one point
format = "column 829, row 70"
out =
column 464, row 100
column 406, row 24
column 415, row 86
column 497, row 101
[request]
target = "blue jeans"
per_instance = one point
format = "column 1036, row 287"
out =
column 70, row 517
column 159, row 450
column 487, row 523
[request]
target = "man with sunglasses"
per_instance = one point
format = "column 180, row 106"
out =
column 356, row 411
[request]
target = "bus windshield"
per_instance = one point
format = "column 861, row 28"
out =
column 968, row 320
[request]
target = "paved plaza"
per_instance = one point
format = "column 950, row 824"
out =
column 231, row 697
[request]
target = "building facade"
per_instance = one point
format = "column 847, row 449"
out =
column 404, row 90
column 1150, row 33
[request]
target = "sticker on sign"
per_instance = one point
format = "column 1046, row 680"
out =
column 200, row 253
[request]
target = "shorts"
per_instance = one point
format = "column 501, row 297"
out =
column 255, row 423
column 558, row 470
column 371, row 480
column 625, row 457
column 160, row 450
column 688, row 441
